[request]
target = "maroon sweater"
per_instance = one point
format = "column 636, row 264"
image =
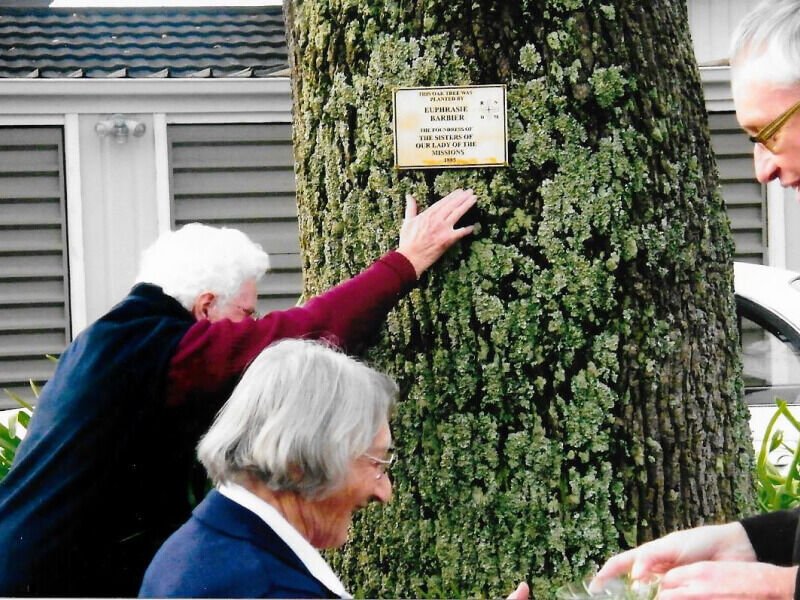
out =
column 213, row 355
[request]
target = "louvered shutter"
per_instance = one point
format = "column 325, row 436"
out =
column 34, row 306
column 745, row 198
column 242, row 176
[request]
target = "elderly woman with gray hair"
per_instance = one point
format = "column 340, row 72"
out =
column 302, row 444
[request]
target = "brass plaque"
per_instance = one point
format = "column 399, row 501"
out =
column 450, row 127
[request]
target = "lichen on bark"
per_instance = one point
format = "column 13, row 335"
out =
column 570, row 374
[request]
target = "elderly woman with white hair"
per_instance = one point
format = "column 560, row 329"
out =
column 302, row 444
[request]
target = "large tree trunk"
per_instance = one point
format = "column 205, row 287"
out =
column 570, row 373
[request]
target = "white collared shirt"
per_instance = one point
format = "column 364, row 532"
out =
column 307, row 554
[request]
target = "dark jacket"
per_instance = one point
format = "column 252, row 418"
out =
column 97, row 463
column 227, row 551
column 776, row 539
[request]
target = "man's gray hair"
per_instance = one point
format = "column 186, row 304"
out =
column 299, row 416
column 770, row 33
column 197, row 258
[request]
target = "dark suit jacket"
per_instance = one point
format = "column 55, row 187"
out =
column 98, row 482
column 225, row 550
column 775, row 538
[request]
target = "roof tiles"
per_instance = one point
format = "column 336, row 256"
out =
column 136, row 43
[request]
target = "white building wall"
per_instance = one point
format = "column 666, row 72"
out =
column 117, row 195
column 712, row 22
column 119, row 208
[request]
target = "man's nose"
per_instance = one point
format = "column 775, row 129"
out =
column 383, row 489
column 764, row 162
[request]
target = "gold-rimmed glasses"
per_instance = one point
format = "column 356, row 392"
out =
column 767, row 136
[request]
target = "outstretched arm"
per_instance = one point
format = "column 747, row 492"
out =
column 211, row 356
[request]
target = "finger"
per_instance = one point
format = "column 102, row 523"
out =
column 697, row 591
column 462, row 232
column 521, row 593
column 459, row 210
column 411, row 207
column 614, row 567
column 445, row 204
column 649, row 563
column 455, row 198
column 680, row 576
column 449, row 197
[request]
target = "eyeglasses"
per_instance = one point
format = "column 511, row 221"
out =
column 249, row 312
column 766, row 137
column 382, row 464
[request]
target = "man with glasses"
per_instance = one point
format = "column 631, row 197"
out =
column 103, row 475
column 757, row 557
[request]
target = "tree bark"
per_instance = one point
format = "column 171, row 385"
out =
column 570, row 374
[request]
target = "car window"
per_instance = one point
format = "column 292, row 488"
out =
column 771, row 363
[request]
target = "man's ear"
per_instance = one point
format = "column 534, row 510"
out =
column 202, row 305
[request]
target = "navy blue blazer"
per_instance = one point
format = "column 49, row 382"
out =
column 101, row 478
column 226, row 551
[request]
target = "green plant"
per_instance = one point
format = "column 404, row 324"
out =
column 10, row 434
column 622, row 588
column 778, row 488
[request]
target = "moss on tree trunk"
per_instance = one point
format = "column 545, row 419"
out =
column 570, row 374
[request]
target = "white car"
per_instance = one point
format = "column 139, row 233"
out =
column 768, row 308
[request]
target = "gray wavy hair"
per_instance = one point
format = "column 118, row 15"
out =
column 300, row 414
column 770, row 33
column 198, row 258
